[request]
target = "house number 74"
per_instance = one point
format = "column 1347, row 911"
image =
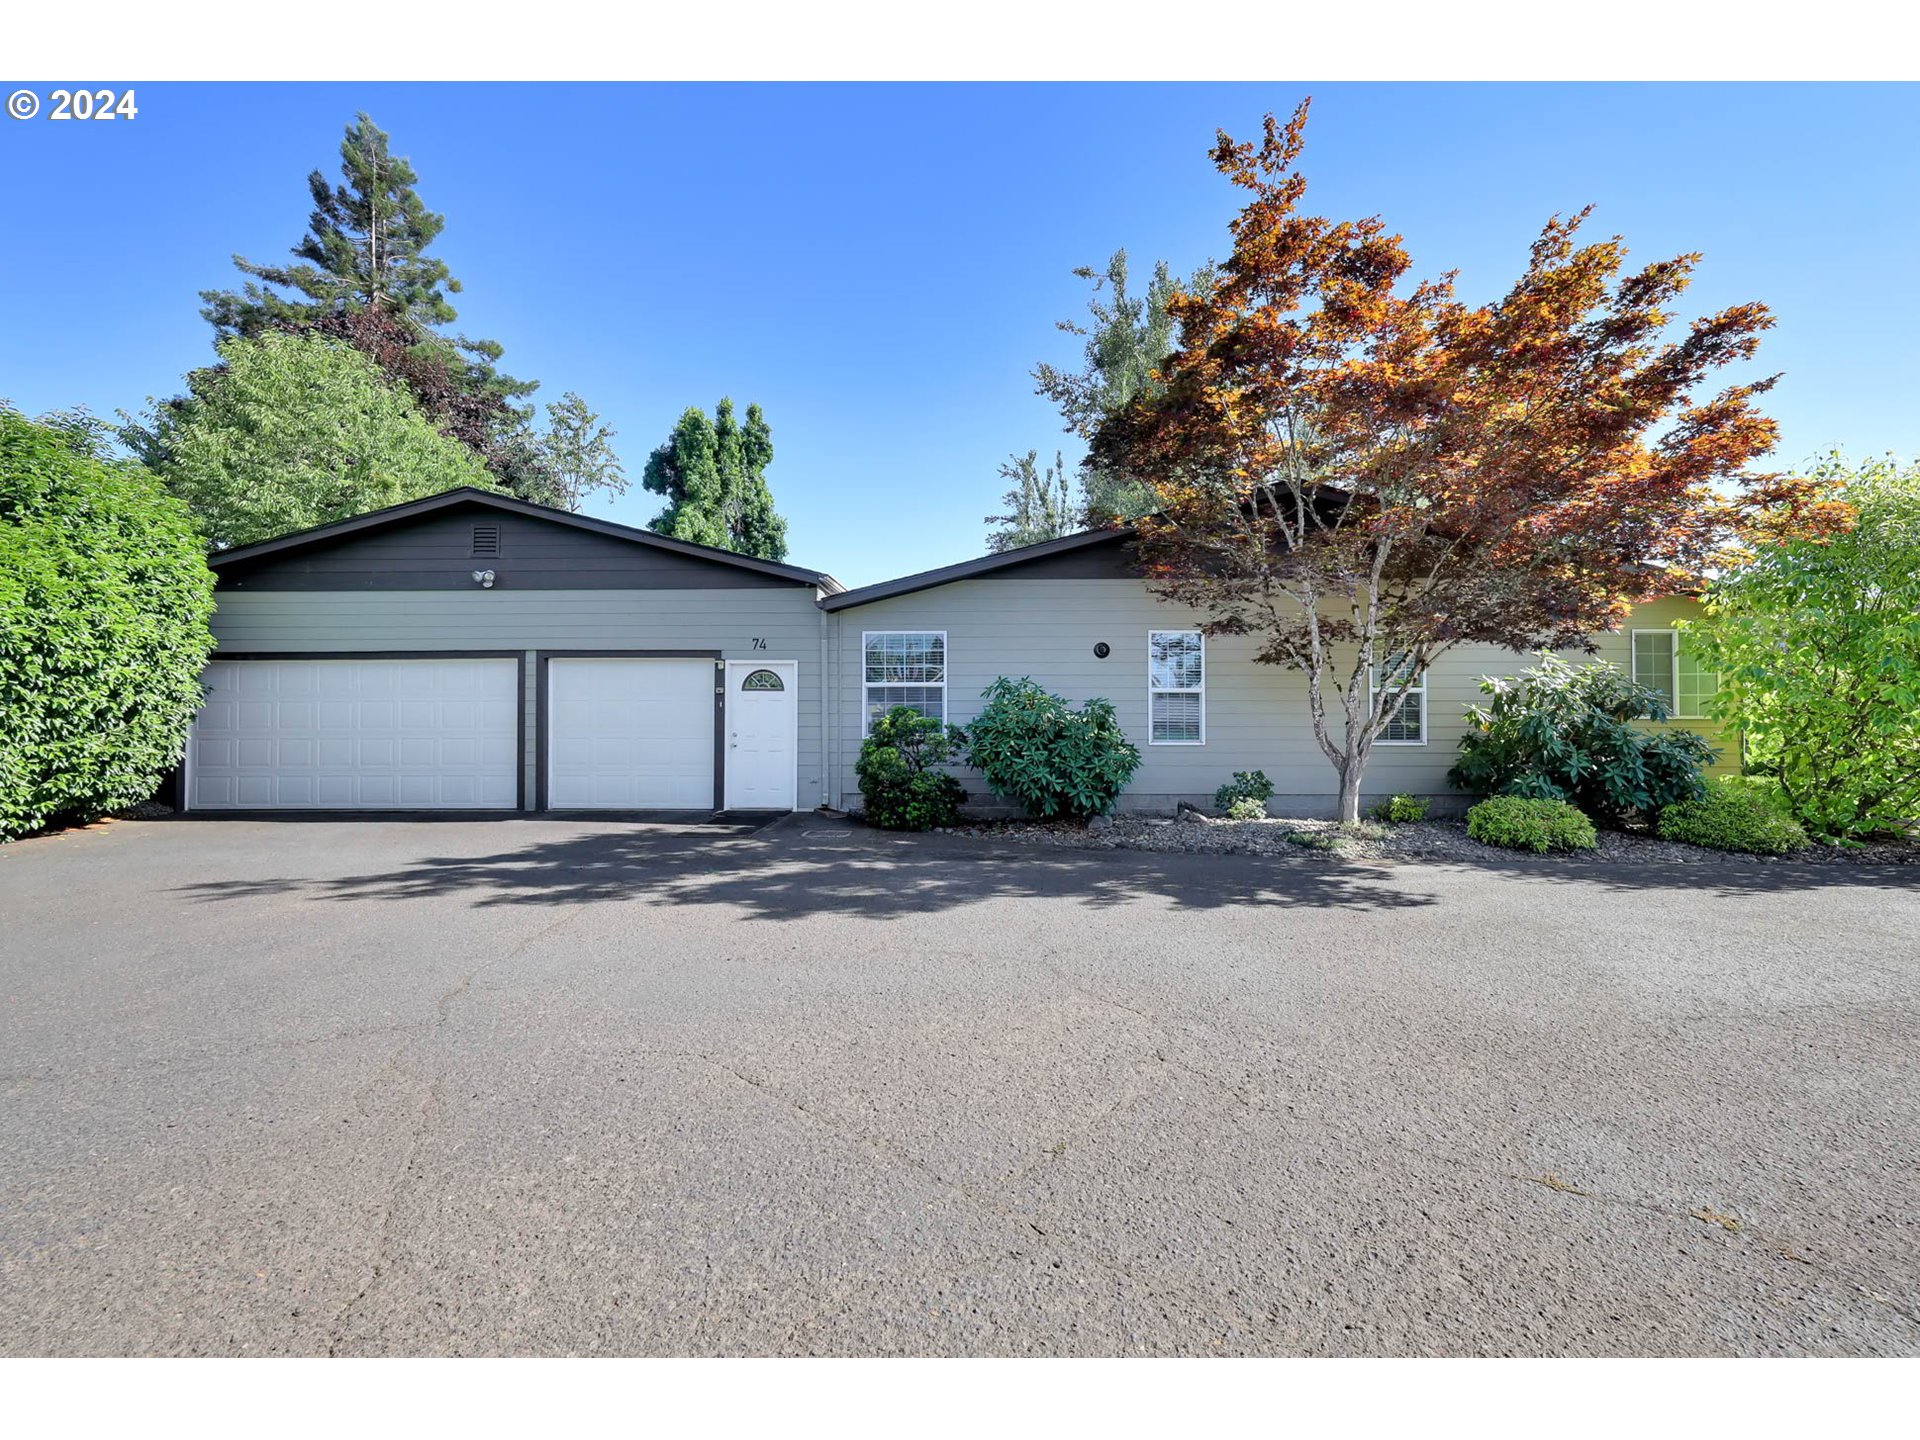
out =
column 759, row 642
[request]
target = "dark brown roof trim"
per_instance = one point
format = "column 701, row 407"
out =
column 468, row 495
column 969, row 569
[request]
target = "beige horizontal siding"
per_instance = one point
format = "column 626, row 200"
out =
column 1256, row 715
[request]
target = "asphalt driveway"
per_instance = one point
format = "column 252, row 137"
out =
column 552, row 1086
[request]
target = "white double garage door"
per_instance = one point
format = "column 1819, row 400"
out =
column 446, row 733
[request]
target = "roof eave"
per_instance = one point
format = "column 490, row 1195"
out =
column 467, row 494
column 971, row 569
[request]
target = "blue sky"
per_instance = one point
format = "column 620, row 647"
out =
column 880, row 266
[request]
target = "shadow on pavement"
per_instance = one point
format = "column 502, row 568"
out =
column 807, row 866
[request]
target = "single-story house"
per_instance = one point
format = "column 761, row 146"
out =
column 471, row 651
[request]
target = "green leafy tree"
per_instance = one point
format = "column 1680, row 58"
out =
column 1039, row 505
column 446, row 390
column 365, row 249
column 579, row 453
column 712, row 474
column 1817, row 645
column 105, row 598
column 292, row 431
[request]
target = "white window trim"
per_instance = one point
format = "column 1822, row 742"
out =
column 866, row 716
column 1673, row 661
column 1200, row 689
column 1373, row 693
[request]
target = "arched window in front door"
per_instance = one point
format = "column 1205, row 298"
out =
column 763, row 680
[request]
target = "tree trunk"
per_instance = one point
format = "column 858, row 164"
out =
column 1350, row 771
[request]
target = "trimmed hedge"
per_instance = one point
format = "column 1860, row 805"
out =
column 900, row 787
column 1514, row 822
column 1035, row 748
column 1733, row 817
column 104, row 601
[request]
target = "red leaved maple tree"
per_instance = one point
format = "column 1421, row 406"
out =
column 1363, row 472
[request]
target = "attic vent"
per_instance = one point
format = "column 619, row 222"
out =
column 486, row 539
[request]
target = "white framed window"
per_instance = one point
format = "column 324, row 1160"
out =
column 1407, row 720
column 903, row 667
column 1666, row 664
column 1176, row 687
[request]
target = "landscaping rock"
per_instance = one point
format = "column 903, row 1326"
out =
column 1436, row 841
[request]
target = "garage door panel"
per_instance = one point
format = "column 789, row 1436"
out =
column 630, row 733
column 333, row 791
column 357, row 734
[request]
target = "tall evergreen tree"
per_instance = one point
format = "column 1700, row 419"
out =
column 712, row 474
column 758, row 529
column 1039, row 506
column 365, row 249
column 1127, row 335
column 686, row 472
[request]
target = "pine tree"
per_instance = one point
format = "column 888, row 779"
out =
column 365, row 249
column 1039, row 506
column 1127, row 336
column 713, row 476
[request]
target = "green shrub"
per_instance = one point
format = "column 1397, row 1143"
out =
column 1245, row 785
column 104, row 601
column 1566, row 732
column 1514, row 822
column 898, row 781
column 1733, row 816
column 1247, row 808
column 1039, row 751
column 1401, row 809
column 1817, row 646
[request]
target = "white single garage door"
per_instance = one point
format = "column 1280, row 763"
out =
column 630, row 734
column 357, row 735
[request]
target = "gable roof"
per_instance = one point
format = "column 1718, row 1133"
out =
column 969, row 569
column 469, row 495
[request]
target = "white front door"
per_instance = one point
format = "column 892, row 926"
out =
column 762, row 734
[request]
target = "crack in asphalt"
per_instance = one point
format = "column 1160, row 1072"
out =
column 1195, row 1299
column 1839, row 1276
column 428, row 1114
